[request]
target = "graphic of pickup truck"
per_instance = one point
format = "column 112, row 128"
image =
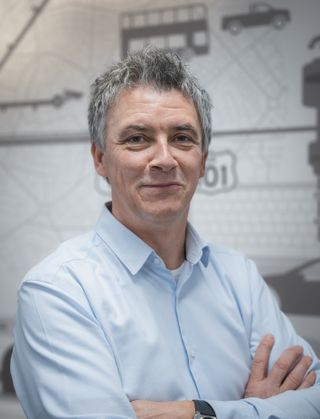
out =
column 298, row 289
column 260, row 14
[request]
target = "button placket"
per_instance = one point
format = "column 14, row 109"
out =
column 189, row 349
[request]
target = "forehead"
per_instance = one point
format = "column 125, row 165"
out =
column 143, row 102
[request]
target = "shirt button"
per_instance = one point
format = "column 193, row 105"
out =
column 156, row 261
column 192, row 355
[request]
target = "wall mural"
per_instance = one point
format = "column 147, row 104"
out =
column 259, row 61
column 179, row 28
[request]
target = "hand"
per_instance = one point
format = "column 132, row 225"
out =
column 288, row 372
column 145, row 409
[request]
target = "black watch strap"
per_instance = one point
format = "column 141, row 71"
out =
column 204, row 408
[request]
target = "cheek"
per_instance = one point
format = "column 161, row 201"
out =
column 195, row 168
column 125, row 169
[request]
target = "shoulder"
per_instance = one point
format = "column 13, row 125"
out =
column 232, row 265
column 77, row 251
column 226, row 256
column 238, row 279
column 65, row 277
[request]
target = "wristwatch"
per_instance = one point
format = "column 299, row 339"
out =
column 203, row 410
column 198, row 415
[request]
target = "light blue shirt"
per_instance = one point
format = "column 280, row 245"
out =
column 102, row 322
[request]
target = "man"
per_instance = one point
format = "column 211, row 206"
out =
column 140, row 317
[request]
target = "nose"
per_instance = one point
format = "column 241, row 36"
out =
column 162, row 157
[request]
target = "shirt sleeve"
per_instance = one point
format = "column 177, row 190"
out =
column 62, row 364
column 266, row 317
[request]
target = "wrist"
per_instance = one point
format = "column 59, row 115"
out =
column 180, row 409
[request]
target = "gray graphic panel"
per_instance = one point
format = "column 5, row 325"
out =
column 183, row 29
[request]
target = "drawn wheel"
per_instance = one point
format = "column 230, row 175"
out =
column 234, row 27
column 279, row 21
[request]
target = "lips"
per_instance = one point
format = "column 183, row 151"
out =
column 162, row 185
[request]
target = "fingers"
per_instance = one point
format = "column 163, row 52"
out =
column 260, row 361
column 288, row 372
column 309, row 380
column 295, row 378
column 284, row 365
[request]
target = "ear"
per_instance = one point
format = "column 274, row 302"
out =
column 98, row 156
column 203, row 164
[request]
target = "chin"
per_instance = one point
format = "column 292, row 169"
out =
column 164, row 212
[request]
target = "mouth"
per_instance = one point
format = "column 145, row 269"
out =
column 167, row 188
column 162, row 185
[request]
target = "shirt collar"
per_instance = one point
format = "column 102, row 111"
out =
column 129, row 248
column 134, row 252
column 196, row 248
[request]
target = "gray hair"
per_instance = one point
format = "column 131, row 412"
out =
column 164, row 70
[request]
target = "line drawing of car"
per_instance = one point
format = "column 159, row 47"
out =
column 298, row 289
column 260, row 14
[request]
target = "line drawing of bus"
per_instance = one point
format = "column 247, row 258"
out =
column 182, row 29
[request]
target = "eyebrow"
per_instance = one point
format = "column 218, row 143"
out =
column 135, row 127
column 186, row 127
column 182, row 127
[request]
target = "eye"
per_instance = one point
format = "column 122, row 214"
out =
column 184, row 139
column 136, row 140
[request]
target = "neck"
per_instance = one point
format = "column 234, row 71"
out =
column 168, row 243
column 166, row 238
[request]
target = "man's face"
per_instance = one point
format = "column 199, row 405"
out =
column 153, row 156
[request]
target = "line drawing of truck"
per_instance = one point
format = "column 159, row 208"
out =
column 260, row 14
column 183, row 29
